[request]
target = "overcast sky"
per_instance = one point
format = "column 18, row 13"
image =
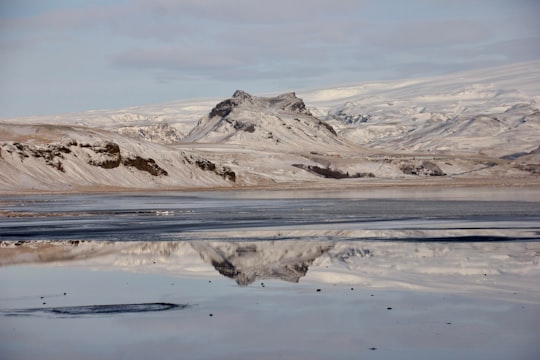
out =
column 61, row 56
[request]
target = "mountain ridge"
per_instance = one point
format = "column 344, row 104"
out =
column 480, row 125
column 270, row 121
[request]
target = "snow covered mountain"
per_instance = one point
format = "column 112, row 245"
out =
column 482, row 124
column 504, row 123
column 491, row 111
column 266, row 122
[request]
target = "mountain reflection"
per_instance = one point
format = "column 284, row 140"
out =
column 247, row 262
column 458, row 265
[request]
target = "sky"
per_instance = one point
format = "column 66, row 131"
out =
column 59, row 56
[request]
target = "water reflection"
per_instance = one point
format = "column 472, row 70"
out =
column 296, row 299
column 467, row 266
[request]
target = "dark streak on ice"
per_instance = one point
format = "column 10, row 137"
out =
column 99, row 309
column 161, row 218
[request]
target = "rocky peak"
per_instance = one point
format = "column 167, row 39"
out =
column 242, row 95
column 288, row 102
column 223, row 108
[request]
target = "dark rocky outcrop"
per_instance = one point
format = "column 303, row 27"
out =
column 142, row 164
column 328, row 127
column 52, row 154
column 225, row 172
column 425, row 168
column 223, row 108
column 331, row 173
column 290, row 102
column 109, row 152
column 286, row 102
column 205, row 165
column 238, row 125
column 109, row 156
column 103, row 154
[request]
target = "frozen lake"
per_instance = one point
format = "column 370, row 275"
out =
column 454, row 215
column 383, row 274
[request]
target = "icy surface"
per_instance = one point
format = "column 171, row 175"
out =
column 405, row 274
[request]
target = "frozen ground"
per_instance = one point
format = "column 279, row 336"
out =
column 413, row 215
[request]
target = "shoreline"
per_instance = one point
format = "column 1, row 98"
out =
column 329, row 185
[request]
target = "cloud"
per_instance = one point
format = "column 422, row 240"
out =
column 164, row 19
column 254, row 51
column 427, row 68
column 431, row 34
column 253, row 12
column 176, row 58
column 515, row 49
column 166, row 44
column 173, row 64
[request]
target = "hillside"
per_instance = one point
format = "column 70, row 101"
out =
column 481, row 125
column 264, row 122
column 70, row 158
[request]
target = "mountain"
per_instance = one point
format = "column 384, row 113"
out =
column 487, row 121
column 264, row 122
column 491, row 111
column 481, row 125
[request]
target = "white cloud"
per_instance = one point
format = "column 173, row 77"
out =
column 431, row 34
column 253, row 12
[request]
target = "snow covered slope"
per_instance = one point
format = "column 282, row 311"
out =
column 482, row 124
column 263, row 122
column 64, row 158
column 493, row 111
column 162, row 123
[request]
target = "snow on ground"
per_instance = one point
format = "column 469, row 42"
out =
column 476, row 124
column 180, row 114
column 494, row 111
